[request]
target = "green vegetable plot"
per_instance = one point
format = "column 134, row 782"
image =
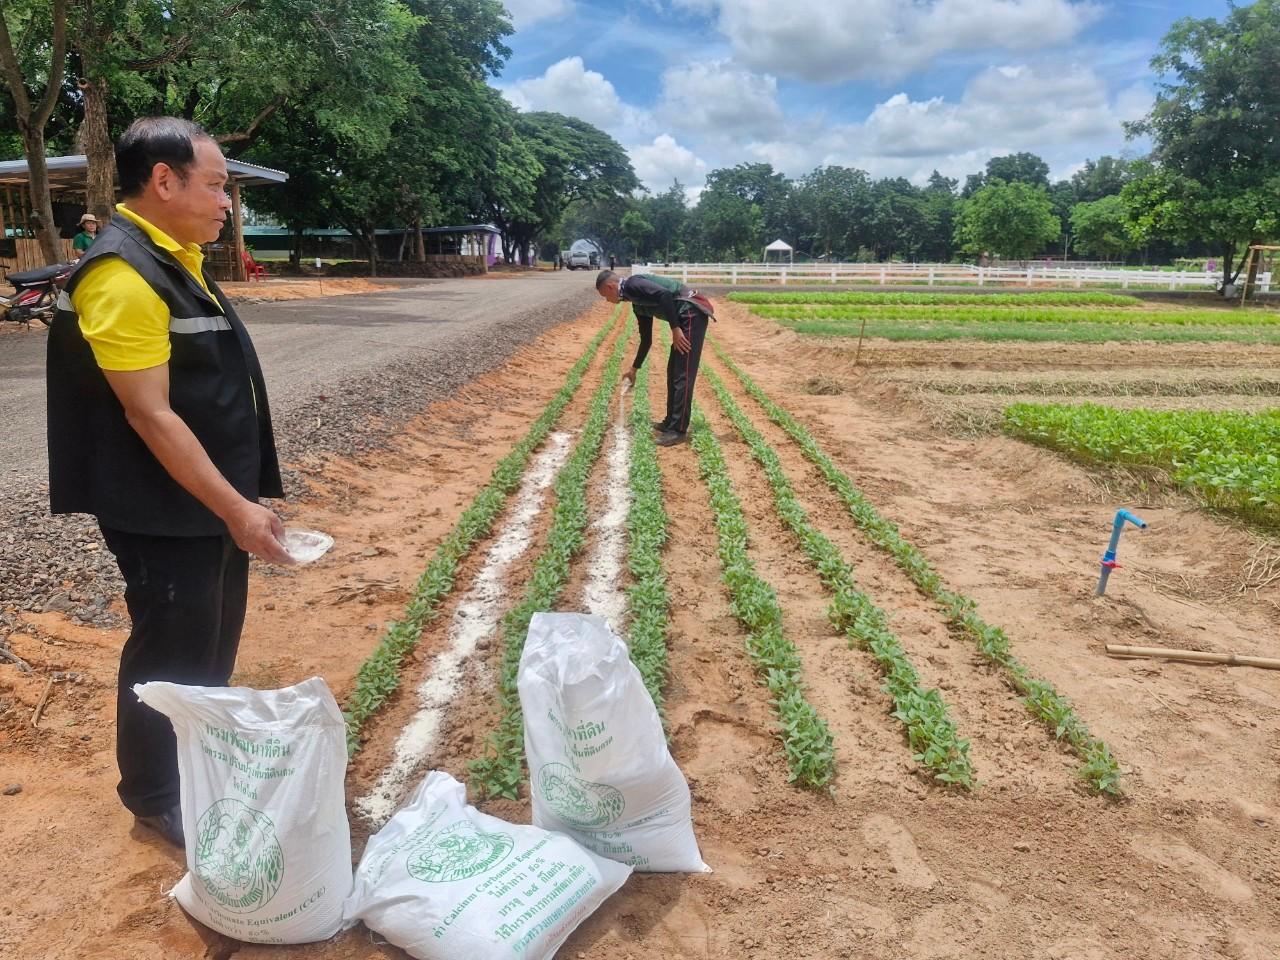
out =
column 1232, row 460
column 1021, row 300
column 379, row 675
column 648, row 604
column 1017, row 313
column 500, row 771
column 1036, row 332
column 1098, row 768
column 806, row 738
column 930, row 730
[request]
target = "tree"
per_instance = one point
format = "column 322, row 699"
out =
column 938, row 206
column 1100, row 178
column 636, row 229
column 896, row 219
column 667, row 213
column 1015, row 220
column 1100, row 228
column 829, row 205
column 724, row 226
column 45, row 68
column 577, row 163
column 760, row 185
column 1213, row 124
column 1019, row 168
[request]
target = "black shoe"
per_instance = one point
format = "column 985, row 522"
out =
column 669, row 438
column 168, row 825
column 660, row 426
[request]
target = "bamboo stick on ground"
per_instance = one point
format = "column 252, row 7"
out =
column 1192, row 656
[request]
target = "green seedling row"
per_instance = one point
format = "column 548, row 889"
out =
column 648, row 604
column 500, row 771
column 1021, row 300
column 379, row 675
column 806, row 738
column 1232, row 460
column 931, row 732
column 1018, row 313
column 1033, row 332
column 1098, row 768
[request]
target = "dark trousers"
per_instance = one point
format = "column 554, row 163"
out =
column 186, row 597
column 682, row 372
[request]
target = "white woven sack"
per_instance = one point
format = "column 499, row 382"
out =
column 263, row 809
column 444, row 881
column 599, row 767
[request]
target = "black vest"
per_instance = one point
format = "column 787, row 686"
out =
column 97, row 463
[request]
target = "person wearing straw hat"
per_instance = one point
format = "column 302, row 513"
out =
column 88, row 233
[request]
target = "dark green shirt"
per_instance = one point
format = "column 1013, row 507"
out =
column 82, row 241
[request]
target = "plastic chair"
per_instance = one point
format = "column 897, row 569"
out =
column 252, row 269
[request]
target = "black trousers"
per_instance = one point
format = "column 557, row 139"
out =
column 186, row 597
column 682, row 372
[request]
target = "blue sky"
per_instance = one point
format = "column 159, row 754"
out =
column 895, row 87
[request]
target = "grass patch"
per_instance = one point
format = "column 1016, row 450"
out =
column 379, row 676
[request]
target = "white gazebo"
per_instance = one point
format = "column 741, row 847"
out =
column 779, row 247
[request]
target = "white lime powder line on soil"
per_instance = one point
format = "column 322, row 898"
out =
column 476, row 617
column 604, row 595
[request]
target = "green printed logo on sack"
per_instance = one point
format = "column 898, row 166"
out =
column 458, row 852
column 238, row 859
column 579, row 802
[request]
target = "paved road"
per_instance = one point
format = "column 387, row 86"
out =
column 308, row 345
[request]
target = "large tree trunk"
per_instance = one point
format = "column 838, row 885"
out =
column 295, row 245
column 371, row 241
column 95, row 140
column 38, row 187
column 419, row 243
column 32, row 118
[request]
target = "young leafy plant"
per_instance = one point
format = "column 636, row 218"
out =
column 379, row 676
column 1099, row 768
column 500, row 771
column 930, row 730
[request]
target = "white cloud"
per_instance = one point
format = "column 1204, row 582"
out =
column 717, row 99
column 525, row 13
column 568, row 87
column 663, row 161
column 1062, row 112
column 841, row 39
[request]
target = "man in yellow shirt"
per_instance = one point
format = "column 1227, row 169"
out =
column 159, row 426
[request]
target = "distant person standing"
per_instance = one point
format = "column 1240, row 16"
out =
column 159, row 427
column 88, row 233
column 613, row 262
column 687, row 312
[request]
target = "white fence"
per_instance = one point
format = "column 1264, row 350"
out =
column 936, row 274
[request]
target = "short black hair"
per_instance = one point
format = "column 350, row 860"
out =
column 152, row 140
column 603, row 277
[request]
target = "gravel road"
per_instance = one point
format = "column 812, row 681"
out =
column 357, row 365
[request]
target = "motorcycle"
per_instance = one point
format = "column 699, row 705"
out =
column 35, row 295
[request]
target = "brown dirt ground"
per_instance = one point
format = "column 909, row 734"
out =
column 885, row 866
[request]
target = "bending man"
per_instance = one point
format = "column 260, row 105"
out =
column 687, row 313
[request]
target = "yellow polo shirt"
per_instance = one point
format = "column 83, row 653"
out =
column 126, row 322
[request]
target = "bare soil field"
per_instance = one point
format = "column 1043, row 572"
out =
column 886, row 864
